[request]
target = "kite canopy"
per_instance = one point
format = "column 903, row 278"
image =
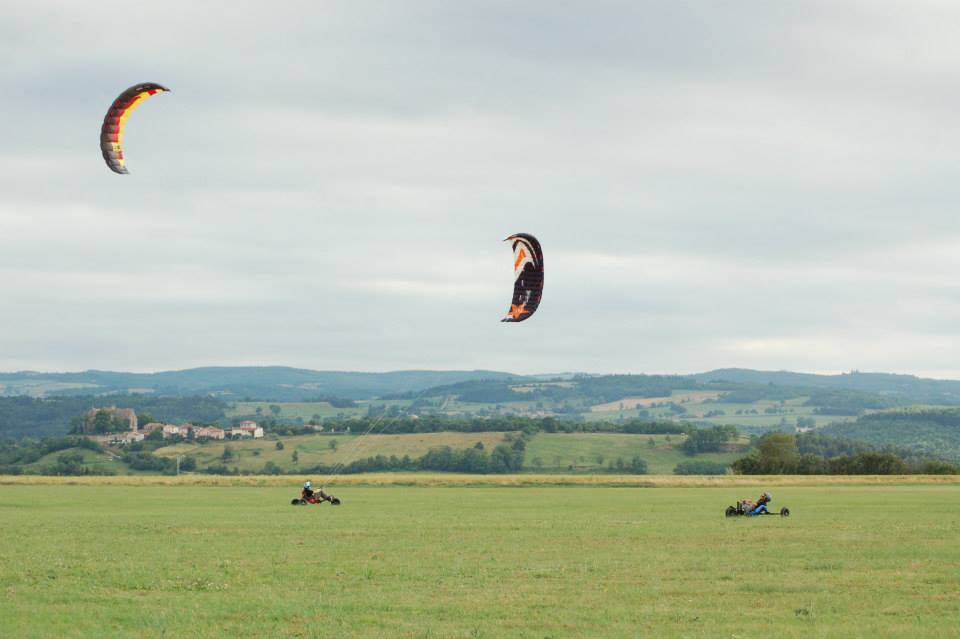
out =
column 111, row 134
column 527, row 276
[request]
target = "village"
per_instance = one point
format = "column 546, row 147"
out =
column 126, row 429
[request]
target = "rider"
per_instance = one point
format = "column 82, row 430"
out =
column 761, row 506
column 307, row 492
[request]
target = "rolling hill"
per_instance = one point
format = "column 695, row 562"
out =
column 270, row 383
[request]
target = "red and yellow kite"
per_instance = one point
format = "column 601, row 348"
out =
column 111, row 134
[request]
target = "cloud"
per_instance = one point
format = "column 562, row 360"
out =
column 328, row 185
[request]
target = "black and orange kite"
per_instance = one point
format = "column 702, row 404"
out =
column 111, row 134
column 527, row 277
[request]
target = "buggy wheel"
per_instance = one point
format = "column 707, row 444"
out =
column 295, row 502
column 335, row 501
column 731, row 511
column 784, row 512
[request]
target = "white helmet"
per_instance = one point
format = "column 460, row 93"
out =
column 306, row 484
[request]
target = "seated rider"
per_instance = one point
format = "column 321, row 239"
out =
column 761, row 506
column 324, row 496
column 307, row 492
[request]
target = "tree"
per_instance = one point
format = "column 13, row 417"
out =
column 279, row 445
column 696, row 467
column 333, row 444
column 707, row 439
column 227, row 453
column 102, row 422
column 271, row 468
column 638, row 466
column 295, row 457
column 776, row 454
column 275, row 409
column 779, row 452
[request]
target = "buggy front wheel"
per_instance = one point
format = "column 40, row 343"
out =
column 784, row 512
column 731, row 511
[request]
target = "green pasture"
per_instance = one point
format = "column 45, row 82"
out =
column 594, row 451
column 152, row 562
column 697, row 410
column 293, row 410
column 307, row 410
column 92, row 459
column 253, row 454
column 586, row 452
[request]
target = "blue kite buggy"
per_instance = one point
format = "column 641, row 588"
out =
column 747, row 508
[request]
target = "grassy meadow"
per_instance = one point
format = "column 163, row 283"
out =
column 548, row 452
column 201, row 561
column 252, row 454
column 595, row 451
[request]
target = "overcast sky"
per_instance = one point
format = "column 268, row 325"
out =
column 755, row 184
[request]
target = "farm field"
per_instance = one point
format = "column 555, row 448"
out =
column 583, row 452
column 252, row 454
column 594, row 451
column 293, row 410
column 162, row 561
column 631, row 403
column 99, row 461
column 697, row 409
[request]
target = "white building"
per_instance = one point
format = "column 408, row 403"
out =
column 251, row 429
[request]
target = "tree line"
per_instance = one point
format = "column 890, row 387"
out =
column 778, row 453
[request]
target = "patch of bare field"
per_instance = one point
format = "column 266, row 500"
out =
column 629, row 403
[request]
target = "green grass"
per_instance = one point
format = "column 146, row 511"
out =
column 293, row 410
column 151, row 562
column 697, row 410
column 93, row 459
column 311, row 450
column 559, row 451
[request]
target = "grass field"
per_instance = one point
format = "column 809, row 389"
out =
column 293, row 410
column 631, row 403
column 160, row 561
column 98, row 461
column 555, row 451
column 584, row 451
column 252, row 454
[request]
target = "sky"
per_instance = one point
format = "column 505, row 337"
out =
column 724, row 184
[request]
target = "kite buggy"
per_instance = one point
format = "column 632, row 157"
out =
column 310, row 496
column 747, row 508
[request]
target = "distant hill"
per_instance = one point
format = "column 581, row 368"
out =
column 910, row 388
column 925, row 431
column 851, row 391
column 269, row 383
column 752, row 400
